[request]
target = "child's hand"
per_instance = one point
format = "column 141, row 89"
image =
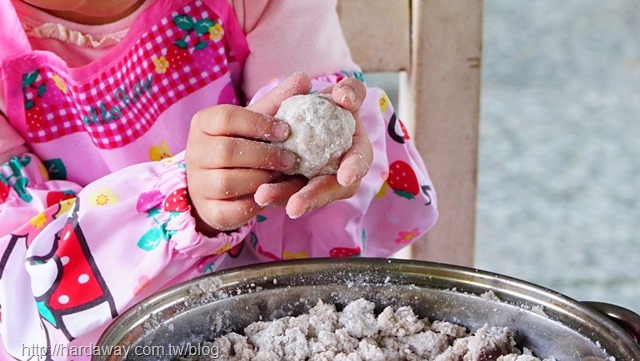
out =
column 228, row 157
column 300, row 195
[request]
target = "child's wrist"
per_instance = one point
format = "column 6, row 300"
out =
column 203, row 227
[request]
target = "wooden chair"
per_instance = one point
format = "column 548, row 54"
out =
column 437, row 46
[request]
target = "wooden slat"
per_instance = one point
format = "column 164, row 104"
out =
column 444, row 91
column 438, row 100
column 377, row 32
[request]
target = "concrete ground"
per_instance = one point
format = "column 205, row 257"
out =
column 559, row 166
column 559, row 162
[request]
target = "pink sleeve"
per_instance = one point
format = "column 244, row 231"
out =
column 395, row 204
column 286, row 36
column 139, row 199
column 92, row 251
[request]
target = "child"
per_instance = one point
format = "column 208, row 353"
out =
column 107, row 106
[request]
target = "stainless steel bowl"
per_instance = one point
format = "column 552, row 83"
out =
column 545, row 321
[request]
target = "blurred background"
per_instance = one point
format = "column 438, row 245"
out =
column 559, row 157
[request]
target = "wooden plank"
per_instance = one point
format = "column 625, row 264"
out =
column 377, row 32
column 444, row 94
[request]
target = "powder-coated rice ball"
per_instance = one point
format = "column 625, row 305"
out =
column 321, row 132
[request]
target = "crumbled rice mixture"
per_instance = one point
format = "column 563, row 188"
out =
column 357, row 334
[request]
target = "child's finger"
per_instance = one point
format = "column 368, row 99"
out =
column 278, row 194
column 226, row 215
column 319, row 192
column 349, row 93
column 298, row 83
column 226, row 152
column 232, row 183
column 234, row 121
column 357, row 160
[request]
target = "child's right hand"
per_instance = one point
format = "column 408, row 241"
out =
column 228, row 157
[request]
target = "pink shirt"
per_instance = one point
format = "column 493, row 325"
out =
column 95, row 215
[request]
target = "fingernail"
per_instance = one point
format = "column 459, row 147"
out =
column 264, row 204
column 346, row 180
column 349, row 93
column 300, row 214
column 261, row 204
column 281, row 130
column 287, row 159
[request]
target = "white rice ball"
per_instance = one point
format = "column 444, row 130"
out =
column 321, row 132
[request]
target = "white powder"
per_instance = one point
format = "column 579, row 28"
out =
column 489, row 295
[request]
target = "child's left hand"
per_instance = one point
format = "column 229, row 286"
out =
column 301, row 195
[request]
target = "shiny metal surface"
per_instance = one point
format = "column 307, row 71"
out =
column 625, row 318
column 546, row 322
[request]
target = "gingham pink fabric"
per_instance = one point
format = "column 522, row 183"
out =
column 114, row 115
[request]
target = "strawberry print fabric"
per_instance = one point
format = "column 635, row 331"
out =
column 97, row 217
